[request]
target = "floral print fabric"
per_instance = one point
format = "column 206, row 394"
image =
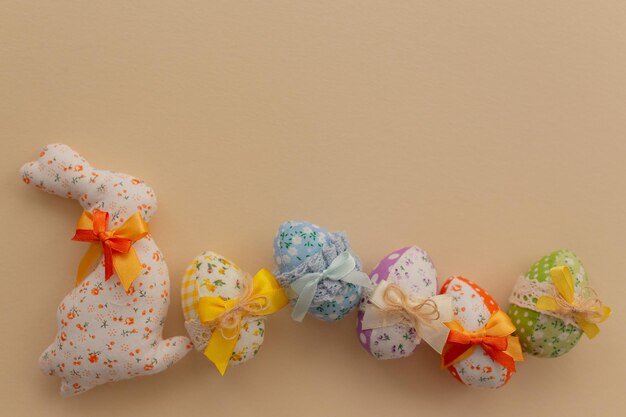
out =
column 106, row 334
column 212, row 275
column 472, row 308
column 412, row 269
column 541, row 334
column 301, row 247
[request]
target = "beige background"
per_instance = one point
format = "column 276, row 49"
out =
column 489, row 133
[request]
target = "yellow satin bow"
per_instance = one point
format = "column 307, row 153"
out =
column 263, row 297
column 116, row 245
column 587, row 310
column 495, row 339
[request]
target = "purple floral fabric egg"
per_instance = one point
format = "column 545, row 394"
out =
column 413, row 271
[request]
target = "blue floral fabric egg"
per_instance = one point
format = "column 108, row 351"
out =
column 301, row 247
column 297, row 241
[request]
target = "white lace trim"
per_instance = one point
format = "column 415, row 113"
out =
column 527, row 291
column 201, row 333
column 198, row 333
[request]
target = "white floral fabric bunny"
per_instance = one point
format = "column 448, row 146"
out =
column 106, row 333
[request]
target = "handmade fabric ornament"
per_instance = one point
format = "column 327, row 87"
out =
column 319, row 272
column 225, row 308
column 403, row 308
column 110, row 325
column 480, row 351
column 116, row 245
column 553, row 305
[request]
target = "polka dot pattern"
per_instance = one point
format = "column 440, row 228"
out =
column 295, row 243
column 412, row 269
column 540, row 334
column 473, row 307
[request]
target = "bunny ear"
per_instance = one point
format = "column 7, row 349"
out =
column 61, row 158
column 59, row 170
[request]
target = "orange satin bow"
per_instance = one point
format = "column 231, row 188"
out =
column 495, row 339
column 116, row 245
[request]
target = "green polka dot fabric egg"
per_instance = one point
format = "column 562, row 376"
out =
column 553, row 305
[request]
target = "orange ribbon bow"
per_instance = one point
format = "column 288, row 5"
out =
column 495, row 339
column 116, row 244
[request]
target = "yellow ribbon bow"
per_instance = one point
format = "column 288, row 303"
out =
column 586, row 309
column 116, row 245
column 263, row 297
column 495, row 339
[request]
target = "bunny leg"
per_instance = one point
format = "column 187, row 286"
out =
column 166, row 353
column 70, row 387
column 46, row 361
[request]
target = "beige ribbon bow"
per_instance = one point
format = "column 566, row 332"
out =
column 390, row 304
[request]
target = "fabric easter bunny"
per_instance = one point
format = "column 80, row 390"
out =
column 105, row 332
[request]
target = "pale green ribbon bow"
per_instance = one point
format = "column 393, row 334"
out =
column 342, row 268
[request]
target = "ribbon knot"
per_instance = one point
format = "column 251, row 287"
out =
column 585, row 308
column 480, row 338
column 229, row 321
column 224, row 318
column 389, row 304
column 477, row 340
column 116, row 245
column 398, row 301
column 495, row 339
column 342, row 268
